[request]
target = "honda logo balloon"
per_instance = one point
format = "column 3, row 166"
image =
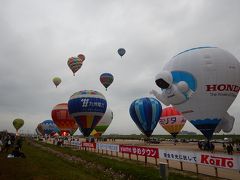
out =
column 146, row 112
column 87, row 108
column 202, row 83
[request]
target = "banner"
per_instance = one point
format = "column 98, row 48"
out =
column 89, row 145
column 76, row 143
column 141, row 151
column 219, row 160
column 109, row 147
column 182, row 156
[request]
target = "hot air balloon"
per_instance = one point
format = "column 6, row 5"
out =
column 87, row 107
column 172, row 120
column 121, row 51
column 106, row 79
column 81, row 57
column 74, row 63
column 63, row 120
column 103, row 123
column 57, row 81
column 48, row 127
column 18, row 123
column 39, row 130
column 201, row 83
column 146, row 112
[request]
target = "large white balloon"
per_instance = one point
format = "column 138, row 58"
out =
column 205, row 82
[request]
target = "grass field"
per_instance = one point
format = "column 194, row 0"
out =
column 40, row 164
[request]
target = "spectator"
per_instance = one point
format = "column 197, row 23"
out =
column 17, row 153
column 229, row 149
column 224, row 147
column 1, row 144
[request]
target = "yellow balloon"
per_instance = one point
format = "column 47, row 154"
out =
column 57, row 81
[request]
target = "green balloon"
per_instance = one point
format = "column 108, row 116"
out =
column 18, row 123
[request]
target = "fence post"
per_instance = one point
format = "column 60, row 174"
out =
column 137, row 157
column 145, row 160
column 197, row 168
column 129, row 155
column 163, row 168
column 156, row 161
column 216, row 171
column 168, row 163
column 181, row 165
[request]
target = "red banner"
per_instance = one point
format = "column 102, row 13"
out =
column 141, row 151
column 89, row 145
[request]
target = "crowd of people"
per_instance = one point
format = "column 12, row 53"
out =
column 11, row 143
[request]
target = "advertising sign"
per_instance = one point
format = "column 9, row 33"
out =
column 141, row 151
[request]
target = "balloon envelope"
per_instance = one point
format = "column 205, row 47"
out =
column 121, row 51
column 74, row 63
column 87, row 107
column 146, row 112
column 103, row 123
column 57, row 81
column 205, row 82
column 48, row 127
column 172, row 120
column 63, row 120
column 18, row 123
column 106, row 79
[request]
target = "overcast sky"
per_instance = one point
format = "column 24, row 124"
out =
column 37, row 37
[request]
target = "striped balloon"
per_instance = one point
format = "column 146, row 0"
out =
column 172, row 120
column 74, row 63
column 106, row 79
column 87, row 107
column 63, row 120
column 146, row 112
column 103, row 123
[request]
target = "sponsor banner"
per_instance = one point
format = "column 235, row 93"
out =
column 66, row 142
column 89, row 145
column 182, row 156
column 109, row 147
column 76, row 143
column 141, row 151
column 219, row 160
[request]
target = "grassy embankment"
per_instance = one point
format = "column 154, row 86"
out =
column 131, row 169
column 40, row 164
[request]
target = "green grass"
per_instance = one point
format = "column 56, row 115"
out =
column 132, row 169
column 40, row 165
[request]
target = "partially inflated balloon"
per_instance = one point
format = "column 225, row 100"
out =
column 18, row 123
column 40, row 130
column 103, row 123
column 57, row 81
column 63, row 120
column 121, row 51
column 106, row 79
column 87, row 107
column 74, row 63
column 201, row 83
column 172, row 120
column 146, row 112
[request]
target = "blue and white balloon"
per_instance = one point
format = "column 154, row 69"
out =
column 146, row 113
column 87, row 108
column 202, row 83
